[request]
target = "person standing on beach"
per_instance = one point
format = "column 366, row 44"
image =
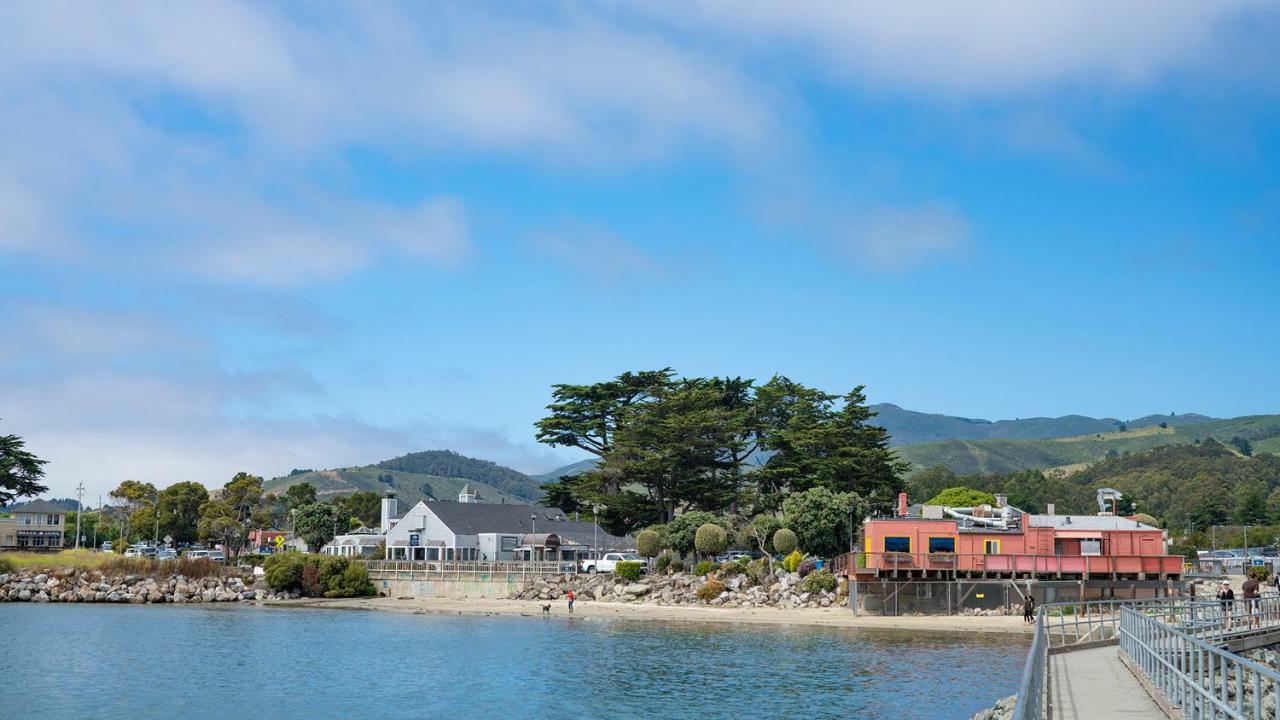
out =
column 571, row 597
column 1029, row 609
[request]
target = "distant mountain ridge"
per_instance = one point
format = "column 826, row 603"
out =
column 426, row 475
column 909, row 427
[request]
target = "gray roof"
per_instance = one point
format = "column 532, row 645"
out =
column 1088, row 522
column 40, row 506
column 478, row 518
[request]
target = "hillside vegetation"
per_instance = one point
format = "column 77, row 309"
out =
column 908, row 427
column 449, row 464
column 974, row 457
column 1184, row 486
column 409, row 487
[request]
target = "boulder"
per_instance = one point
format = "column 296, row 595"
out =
column 636, row 589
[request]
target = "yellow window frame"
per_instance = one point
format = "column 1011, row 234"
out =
column 987, row 543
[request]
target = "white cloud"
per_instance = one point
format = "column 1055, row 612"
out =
column 901, row 238
column 597, row 255
column 993, row 47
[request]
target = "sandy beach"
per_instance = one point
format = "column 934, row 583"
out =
column 825, row 617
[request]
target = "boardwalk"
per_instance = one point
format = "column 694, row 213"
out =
column 1094, row 685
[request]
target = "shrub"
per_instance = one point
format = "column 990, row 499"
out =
column 6, row 566
column 710, row 590
column 785, row 541
column 648, row 543
column 705, row 567
column 737, row 567
column 758, row 570
column 806, row 567
column 820, row 581
column 628, row 570
column 662, row 562
column 343, row 577
column 284, row 571
column 677, row 565
column 792, row 562
column 311, row 580
column 1257, row 572
column 711, row 539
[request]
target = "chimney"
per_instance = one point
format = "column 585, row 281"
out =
column 1048, row 510
column 389, row 508
column 902, row 504
column 1001, row 501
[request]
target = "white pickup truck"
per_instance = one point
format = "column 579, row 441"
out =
column 608, row 562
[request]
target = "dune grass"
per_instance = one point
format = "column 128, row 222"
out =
column 109, row 563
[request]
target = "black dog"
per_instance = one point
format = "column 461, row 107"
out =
column 546, row 609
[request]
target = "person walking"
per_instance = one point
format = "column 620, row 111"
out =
column 1252, row 590
column 571, row 596
column 1227, row 598
column 1029, row 610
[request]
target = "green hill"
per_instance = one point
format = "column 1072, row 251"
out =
column 975, row 457
column 408, row 487
column 428, row 475
column 909, row 427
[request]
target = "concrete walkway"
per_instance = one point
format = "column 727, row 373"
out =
column 1094, row 685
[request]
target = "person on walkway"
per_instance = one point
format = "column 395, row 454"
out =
column 1029, row 610
column 571, row 597
column 1252, row 590
column 1227, row 597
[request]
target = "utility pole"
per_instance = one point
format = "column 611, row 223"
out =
column 97, row 522
column 79, row 510
column 155, row 510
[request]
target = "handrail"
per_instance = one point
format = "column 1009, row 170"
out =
column 457, row 567
column 1202, row 679
column 1018, row 563
column 1031, row 702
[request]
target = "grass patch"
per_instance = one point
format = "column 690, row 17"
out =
column 62, row 559
column 110, row 564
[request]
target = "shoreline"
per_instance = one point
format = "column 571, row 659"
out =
column 801, row 617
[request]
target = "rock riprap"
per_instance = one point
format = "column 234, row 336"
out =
column 70, row 585
column 777, row 589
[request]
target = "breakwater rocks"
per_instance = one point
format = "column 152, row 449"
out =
column 93, row 586
column 1002, row 710
column 777, row 589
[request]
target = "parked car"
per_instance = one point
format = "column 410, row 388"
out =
column 106, row 546
column 217, row 556
column 608, row 562
column 166, row 554
column 196, row 553
column 732, row 555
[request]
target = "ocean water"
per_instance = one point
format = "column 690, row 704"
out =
column 231, row 662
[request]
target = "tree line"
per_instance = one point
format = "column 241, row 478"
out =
column 668, row 445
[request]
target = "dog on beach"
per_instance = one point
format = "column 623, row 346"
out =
column 546, row 609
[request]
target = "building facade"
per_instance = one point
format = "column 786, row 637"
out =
column 38, row 525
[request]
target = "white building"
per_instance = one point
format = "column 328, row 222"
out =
column 475, row 531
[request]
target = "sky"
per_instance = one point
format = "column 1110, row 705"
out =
column 264, row 236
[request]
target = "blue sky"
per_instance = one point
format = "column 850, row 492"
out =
column 254, row 237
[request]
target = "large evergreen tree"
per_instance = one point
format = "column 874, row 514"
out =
column 20, row 470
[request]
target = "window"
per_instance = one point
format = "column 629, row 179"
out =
column 897, row 544
column 52, row 520
column 991, row 547
column 509, row 543
column 942, row 545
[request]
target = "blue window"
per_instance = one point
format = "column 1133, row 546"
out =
column 942, row 545
column 897, row 544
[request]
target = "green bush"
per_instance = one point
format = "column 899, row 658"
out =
column 820, row 581
column 284, row 571
column 791, row 563
column 785, row 541
column 628, row 570
column 711, row 590
column 711, row 539
column 677, row 565
column 648, row 543
column 317, row 575
column 705, row 567
column 1257, row 572
column 737, row 567
column 661, row 563
column 6, row 566
column 758, row 570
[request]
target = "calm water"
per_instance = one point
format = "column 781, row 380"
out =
column 145, row 663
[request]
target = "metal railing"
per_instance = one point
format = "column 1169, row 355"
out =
column 1095, row 622
column 1201, row 679
column 1010, row 564
column 1033, row 689
column 424, row 569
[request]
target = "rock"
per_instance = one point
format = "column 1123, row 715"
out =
column 636, row 589
column 24, row 595
column 40, row 579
